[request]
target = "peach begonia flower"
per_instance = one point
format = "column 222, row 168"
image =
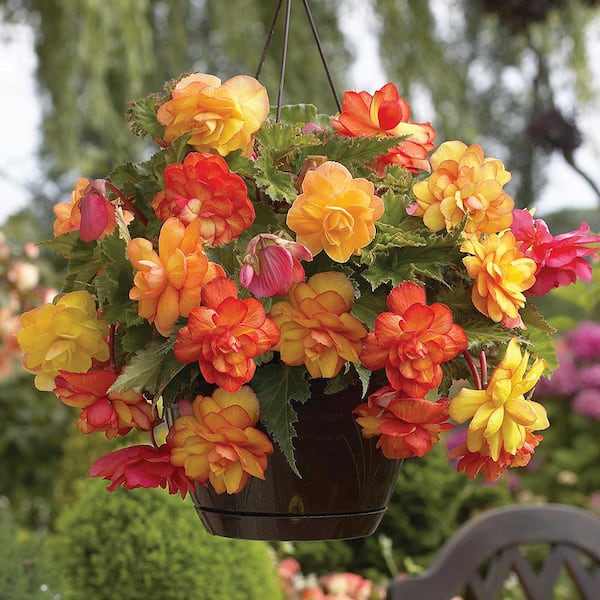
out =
column 501, row 273
column 65, row 336
column 142, row 466
column 167, row 284
column 406, row 426
column 473, row 463
column 500, row 415
column 218, row 441
column 386, row 114
column 114, row 413
column 68, row 214
column 561, row 259
column 271, row 264
column 335, row 212
column 412, row 340
column 220, row 117
column 317, row 329
column 225, row 334
column 464, row 182
column 203, row 187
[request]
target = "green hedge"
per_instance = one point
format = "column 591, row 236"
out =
column 145, row 544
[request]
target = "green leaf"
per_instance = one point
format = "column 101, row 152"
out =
column 276, row 385
column 368, row 306
column 354, row 150
column 141, row 115
column 298, row 113
column 539, row 332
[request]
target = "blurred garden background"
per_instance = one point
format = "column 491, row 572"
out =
column 519, row 77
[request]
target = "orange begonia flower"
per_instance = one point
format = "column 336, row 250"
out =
column 225, row 334
column 68, row 214
column 500, row 415
column 114, row 413
column 464, row 182
column 220, row 117
column 501, row 273
column 64, row 336
column 386, row 114
column 317, row 329
column 203, row 187
column 412, row 340
column 406, row 426
column 218, row 441
column 335, row 212
column 167, row 284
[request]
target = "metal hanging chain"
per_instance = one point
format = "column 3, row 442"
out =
column 282, row 64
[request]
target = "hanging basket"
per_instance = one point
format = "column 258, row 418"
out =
column 344, row 491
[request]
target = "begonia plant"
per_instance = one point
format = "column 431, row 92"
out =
column 250, row 255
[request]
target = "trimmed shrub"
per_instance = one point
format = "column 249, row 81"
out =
column 145, row 544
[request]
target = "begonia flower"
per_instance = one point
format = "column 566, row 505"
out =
column 203, row 187
column 502, row 274
column 218, row 441
column 167, row 284
column 68, row 214
column 464, row 183
column 221, row 117
column 114, row 413
column 412, row 340
column 317, row 329
column 65, row 336
column 271, row 264
column 406, row 426
column 560, row 259
column 386, row 114
column 500, row 415
column 225, row 334
column 335, row 212
column 142, row 466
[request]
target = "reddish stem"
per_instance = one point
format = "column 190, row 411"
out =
column 127, row 202
column 484, row 369
column 111, row 345
column 473, row 369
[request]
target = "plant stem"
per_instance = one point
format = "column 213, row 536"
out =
column 473, row 368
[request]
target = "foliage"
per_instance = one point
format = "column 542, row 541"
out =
column 139, row 545
column 23, row 561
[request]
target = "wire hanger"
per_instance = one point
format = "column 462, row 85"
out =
column 286, row 31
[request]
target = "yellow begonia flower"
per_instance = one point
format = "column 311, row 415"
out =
column 501, row 273
column 500, row 415
column 317, row 329
column 464, row 182
column 63, row 336
column 220, row 117
column 335, row 212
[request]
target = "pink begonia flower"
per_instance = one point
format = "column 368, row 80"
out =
column 560, row 259
column 587, row 403
column 584, row 341
column 142, row 466
column 272, row 264
column 97, row 212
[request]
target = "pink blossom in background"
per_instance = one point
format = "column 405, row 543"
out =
column 584, row 341
column 587, row 403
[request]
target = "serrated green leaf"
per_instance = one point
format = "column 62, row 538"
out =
column 367, row 307
column 539, row 332
column 276, row 385
column 298, row 113
column 141, row 115
column 354, row 150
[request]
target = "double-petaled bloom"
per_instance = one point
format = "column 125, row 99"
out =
column 218, row 442
column 335, row 212
column 167, row 284
column 271, row 264
column 500, row 415
column 560, row 259
column 412, row 340
column 114, row 413
column 406, row 426
column 221, row 117
column 502, row 274
column 203, row 187
column 386, row 114
column 464, row 183
column 142, row 466
column 225, row 334
column 65, row 336
column 317, row 329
